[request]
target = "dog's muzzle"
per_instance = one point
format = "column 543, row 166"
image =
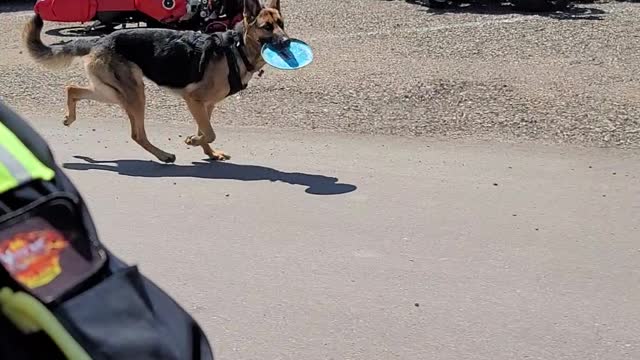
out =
column 281, row 42
column 278, row 42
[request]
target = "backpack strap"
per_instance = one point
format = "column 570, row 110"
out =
column 29, row 315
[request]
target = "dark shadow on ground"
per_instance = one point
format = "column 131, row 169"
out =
column 574, row 11
column 316, row 184
column 89, row 30
column 74, row 32
column 7, row 6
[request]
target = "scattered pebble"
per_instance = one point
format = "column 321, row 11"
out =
column 416, row 305
column 495, row 184
column 226, row 195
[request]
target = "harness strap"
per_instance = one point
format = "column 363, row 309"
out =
column 239, row 44
column 227, row 42
column 235, row 80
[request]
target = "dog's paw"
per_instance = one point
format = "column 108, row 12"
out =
column 167, row 158
column 68, row 120
column 218, row 155
column 193, row 140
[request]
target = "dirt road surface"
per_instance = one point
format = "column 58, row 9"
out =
column 390, row 67
column 435, row 186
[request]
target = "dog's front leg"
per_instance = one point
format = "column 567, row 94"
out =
column 205, row 135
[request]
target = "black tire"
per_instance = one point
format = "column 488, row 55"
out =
column 437, row 4
column 540, row 5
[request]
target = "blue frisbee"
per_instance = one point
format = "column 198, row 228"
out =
column 295, row 56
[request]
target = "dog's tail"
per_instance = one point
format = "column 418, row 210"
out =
column 53, row 57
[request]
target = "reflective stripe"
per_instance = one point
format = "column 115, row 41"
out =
column 14, row 167
column 6, row 180
column 17, row 164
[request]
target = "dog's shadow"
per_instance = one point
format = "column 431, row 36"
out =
column 316, row 184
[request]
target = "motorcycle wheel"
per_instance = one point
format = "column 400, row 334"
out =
column 540, row 5
column 436, row 4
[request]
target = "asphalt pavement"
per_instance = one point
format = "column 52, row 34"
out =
column 327, row 246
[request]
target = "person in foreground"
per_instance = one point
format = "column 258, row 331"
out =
column 63, row 294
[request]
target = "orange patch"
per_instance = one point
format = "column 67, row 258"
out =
column 33, row 258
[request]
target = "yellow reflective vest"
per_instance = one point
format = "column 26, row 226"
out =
column 17, row 164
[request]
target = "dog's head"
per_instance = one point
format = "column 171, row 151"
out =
column 264, row 23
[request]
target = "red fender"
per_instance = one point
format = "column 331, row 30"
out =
column 116, row 5
column 162, row 10
column 66, row 10
column 85, row 10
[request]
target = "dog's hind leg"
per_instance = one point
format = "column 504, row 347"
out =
column 113, row 77
column 74, row 93
column 205, row 135
column 77, row 93
column 135, row 111
column 101, row 93
column 133, row 103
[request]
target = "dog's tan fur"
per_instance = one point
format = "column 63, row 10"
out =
column 114, row 81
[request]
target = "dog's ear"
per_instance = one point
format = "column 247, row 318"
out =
column 251, row 9
column 273, row 4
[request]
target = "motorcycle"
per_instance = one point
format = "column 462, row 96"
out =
column 200, row 15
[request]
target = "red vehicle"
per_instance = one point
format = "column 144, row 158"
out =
column 204, row 15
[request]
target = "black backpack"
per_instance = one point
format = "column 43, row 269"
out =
column 54, row 270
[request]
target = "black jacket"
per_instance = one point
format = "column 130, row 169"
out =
column 144, row 322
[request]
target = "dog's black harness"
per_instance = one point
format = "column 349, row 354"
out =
column 229, row 42
column 235, row 81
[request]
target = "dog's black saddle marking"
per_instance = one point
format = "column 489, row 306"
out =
column 177, row 59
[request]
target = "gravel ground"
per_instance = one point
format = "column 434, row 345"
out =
column 392, row 67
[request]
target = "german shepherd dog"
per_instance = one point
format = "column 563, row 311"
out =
column 201, row 68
